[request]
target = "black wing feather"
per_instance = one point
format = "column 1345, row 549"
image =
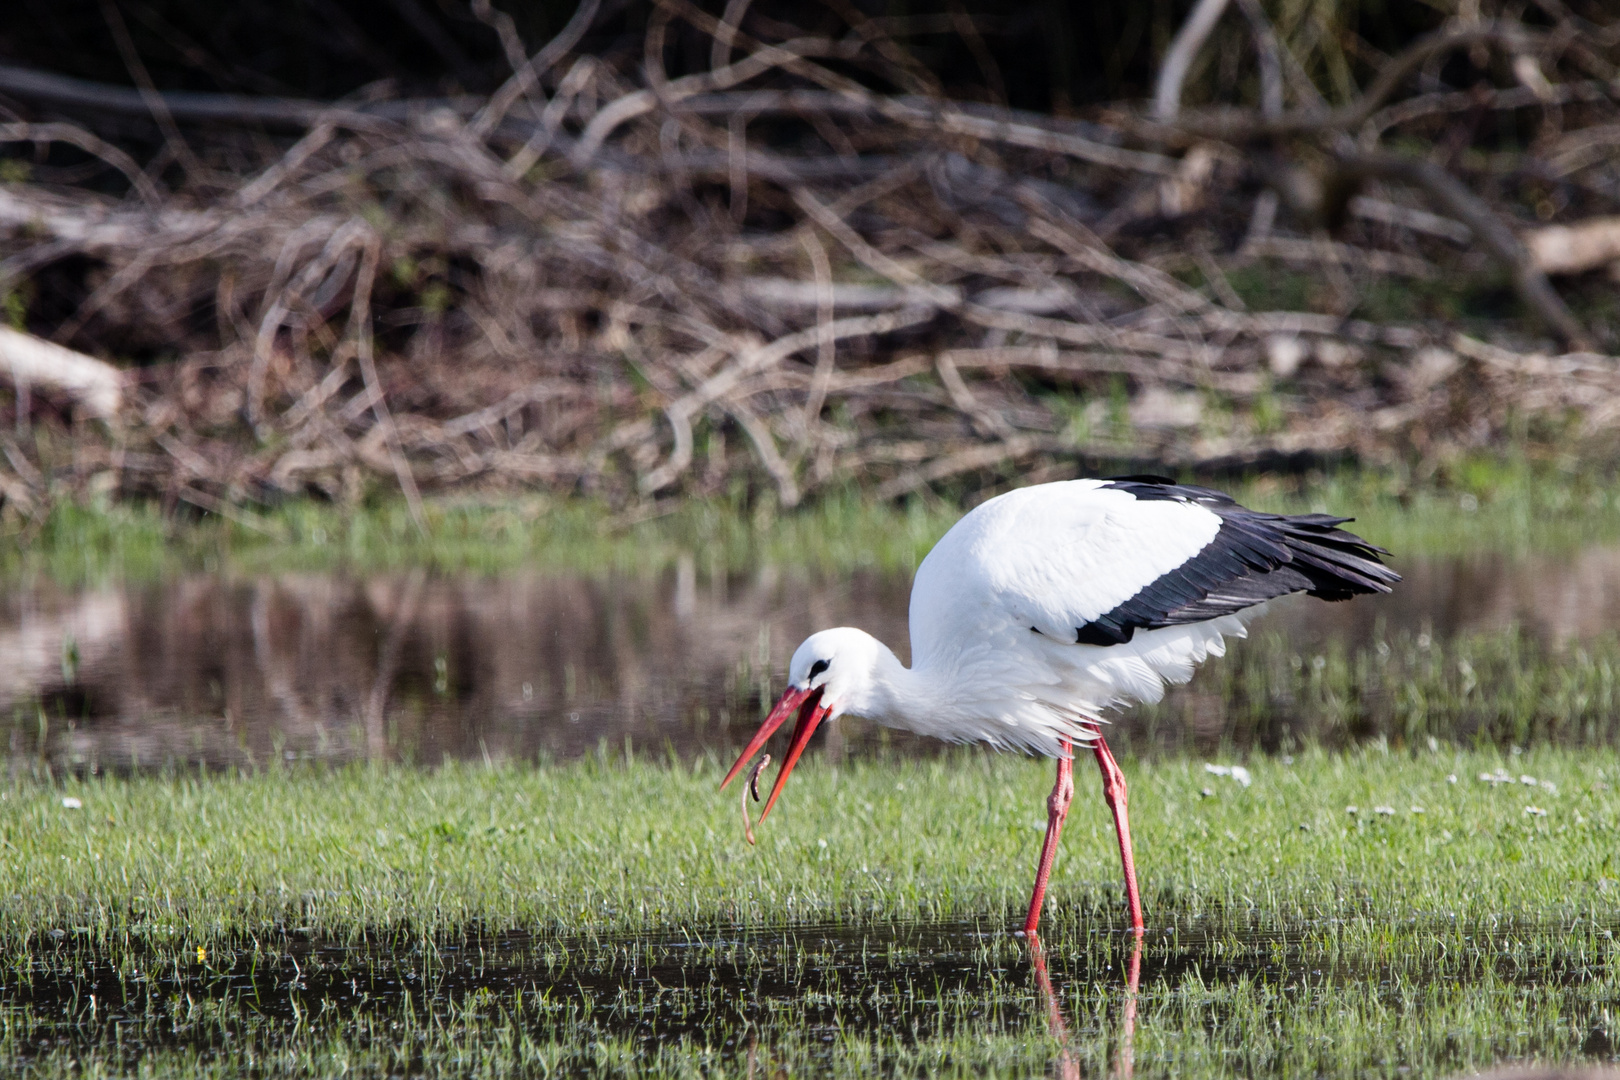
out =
column 1253, row 558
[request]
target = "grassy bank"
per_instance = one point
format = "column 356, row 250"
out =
column 1505, row 505
column 612, row 847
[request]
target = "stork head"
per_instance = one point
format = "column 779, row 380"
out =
column 830, row 674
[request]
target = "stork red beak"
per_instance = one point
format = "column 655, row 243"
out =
column 811, row 713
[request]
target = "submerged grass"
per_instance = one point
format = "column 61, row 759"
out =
column 1508, row 505
column 1341, row 915
column 904, row 1000
column 1499, row 688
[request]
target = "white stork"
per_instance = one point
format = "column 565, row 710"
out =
column 1048, row 605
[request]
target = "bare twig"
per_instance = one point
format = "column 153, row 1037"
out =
column 720, row 51
column 827, row 346
column 360, row 329
column 1178, row 59
column 230, row 512
column 149, row 93
column 1270, row 56
column 642, row 102
column 1240, row 126
column 526, row 73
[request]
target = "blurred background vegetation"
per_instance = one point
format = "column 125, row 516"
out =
column 340, row 250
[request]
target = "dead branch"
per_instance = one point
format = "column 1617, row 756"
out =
column 87, row 142
column 1270, row 58
column 79, row 95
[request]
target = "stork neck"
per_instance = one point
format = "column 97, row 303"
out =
column 895, row 693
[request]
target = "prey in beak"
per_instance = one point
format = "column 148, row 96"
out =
column 811, row 714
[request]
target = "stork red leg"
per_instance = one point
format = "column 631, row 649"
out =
column 1057, row 808
column 1114, row 794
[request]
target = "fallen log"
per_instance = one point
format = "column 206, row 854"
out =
column 1576, row 248
column 31, row 363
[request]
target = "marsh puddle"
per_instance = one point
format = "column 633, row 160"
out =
column 818, row 996
column 410, row 666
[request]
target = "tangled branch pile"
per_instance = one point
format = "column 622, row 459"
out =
column 771, row 276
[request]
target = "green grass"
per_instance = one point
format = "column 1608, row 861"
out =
column 615, row 847
column 1506, row 504
column 134, row 540
column 1290, row 937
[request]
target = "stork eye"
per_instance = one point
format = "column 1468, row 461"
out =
column 818, row 667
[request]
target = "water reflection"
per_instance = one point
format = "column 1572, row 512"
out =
column 1057, row 1024
column 409, row 666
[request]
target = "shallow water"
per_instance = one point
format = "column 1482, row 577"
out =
column 814, row 997
column 238, row 670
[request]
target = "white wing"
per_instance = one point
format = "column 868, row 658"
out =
column 1052, row 558
column 996, row 605
column 1050, row 603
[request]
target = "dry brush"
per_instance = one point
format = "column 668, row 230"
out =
column 799, row 269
